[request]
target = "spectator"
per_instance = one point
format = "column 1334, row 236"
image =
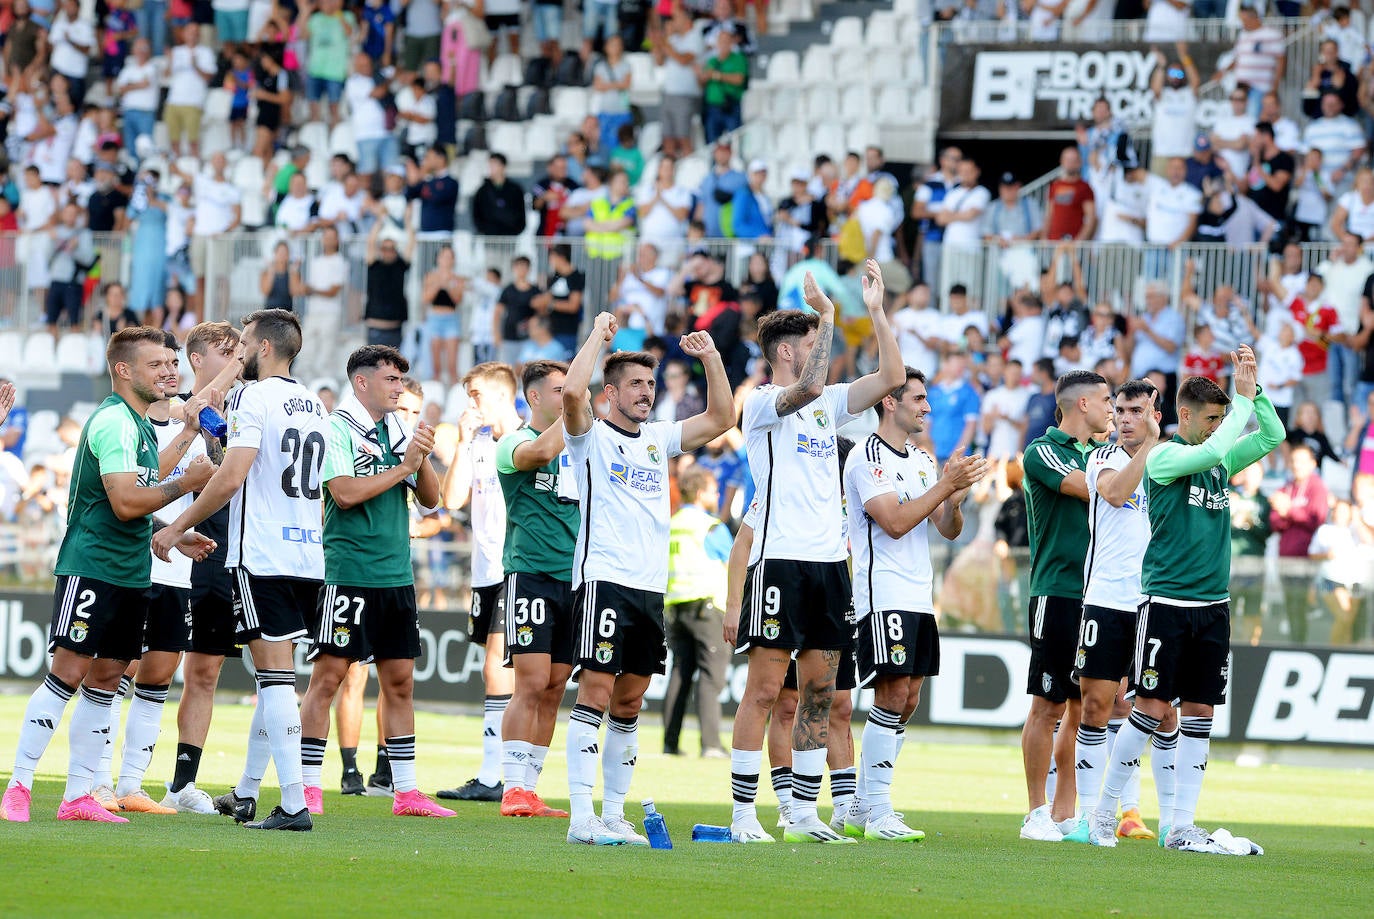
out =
column 277, row 181
column 1172, row 215
column 1102, row 339
column 296, row 213
column 1040, row 406
column 1125, row 200
column 107, row 206
column 71, row 39
column 14, row 426
column 327, row 30
column 191, row 66
column 1259, row 57
column 1287, row 134
column 1232, row 133
column 1204, row 358
column 1330, row 74
column 326, row 278
column 1024, row 341
column 718, row 189
column 1069, row 357
column 1228, row 316
column 180, row 219
column 596, row 153
column 1353, row 216
column 460, row 58
column 611, row 79
column 1359, row 443
column 954, row 408
column 231, row 21
column 423, row 24
column 960, row 319
column 498, row 208
column 1341, row 141
column 678, row 50
column 1098, row 142
column 437, row 192
column 1308, row 430
column 600, row 22
column 53, row 147
column 575, row 211
column 379, row 31
column 1004, row 414
column 641, row 295
column 625, row 155
column 1156, row 337
column 724, row 76
column 550, row 194
column 1311, row 199
column 136, row 88
column 663, row 212
column 417, row 110
column 961, row 211
column 1286, row 279
column 1167, row 21
column 1318, row 323
column 148, row 267
column 1011, row 218
column 758, row 283
column 679, row 399
column 722, row 18
column 24, row 40
column 272, row 90
column 1271, row 174
column 481, row 320
column 387, row 307
column 1281, row 370
column 540, row 345
column 1363, row 340
column 753, row 211
column 1346, row 273
column 918, row 327
column 1067, row 314
column 1230, row 217
column 1203, row 169
column 514, row 307
column 1071, row 211
column 562, row 299
column 1339, row 574
column 376, row 145
column 548, row 28
column 73, row 254
column 1249, row 537
column 280, row 280
column 926, row 201
column 713, row 306
column 442, row 293
column 877, row 220
column 239, row 81
column 342, row 202
column 1174, row 86
column 1295, row 512
column 502, row 18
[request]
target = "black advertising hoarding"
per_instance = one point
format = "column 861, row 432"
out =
column 1041, row 89
column 1277, row 694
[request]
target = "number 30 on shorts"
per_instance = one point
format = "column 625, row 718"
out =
column 529, row 611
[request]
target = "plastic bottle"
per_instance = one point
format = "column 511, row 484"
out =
column 212, row 422
column 705, row 832
column 654, row 827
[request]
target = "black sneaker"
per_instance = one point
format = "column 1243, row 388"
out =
column 281, row 820
column 241, row 809
column 352, row 783
column 378, row 785
column 473, row 790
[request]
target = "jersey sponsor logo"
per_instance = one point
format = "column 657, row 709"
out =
column 817, row 447
column 301, row 535
column 341, row 636
column 649, row 481
column 1137, row 502
column 1208, row 500
column 1150, row 679
column 546, row 481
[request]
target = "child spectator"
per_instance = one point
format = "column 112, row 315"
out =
column 239, row 81
column 1203, row 359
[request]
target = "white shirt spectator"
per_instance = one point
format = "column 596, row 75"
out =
column 215, row 203
column 659, row 225
column 36, row 207
column 875, row 216
column 1235, row 127
column 1279, row 370
column 51, row 153
column 178, row 216
column 611, row 101
column 1345, row 286
column 953, row 326
column 367, row 115
column 185, row 85
column 138, row 100
column 1257, row 54
column 418, row 133
column 83, row 144
column 913, row 329
column 1122, row 200
column 1026, row 339
column 293, row 213
column 63, row 37
column 681, row 79
column 324, row 272
column 653, row 307
column 1044, row 22
column 965, row 234
column 1171, row 208
column 337, row 205
column 1287, row 135
column 1175, row 120
column 1310, row 205
column 1166, row 22
column 230, row 6
column 1004, row 440
column 1337, row 138
column 1359, row 216
column 577, row 198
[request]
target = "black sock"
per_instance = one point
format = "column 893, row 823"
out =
column 188, row 764
column 350, row 758
column 383, row 761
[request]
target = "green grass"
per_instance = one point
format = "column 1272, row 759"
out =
column 1315, row 825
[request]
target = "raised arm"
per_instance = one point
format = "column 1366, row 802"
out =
column 811, row 383
column 1173, row 460
column 577, row 397
column 867, row 391
column 719, row 415
column 1117, row 486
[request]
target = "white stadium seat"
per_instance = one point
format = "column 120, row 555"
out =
column 892, row 107
column 341, row 141
column 855, row 102
column 784, row 67
column 786, row 104
column 541, row 138
column 818, row 65
column 569, row 104
column 848, row 33
column 854, row 63
column 793, row 135
column 39, row 353
column 691, row 171
column 828, row 137
column 506, row 71
column 822, row 102
column 315, row 135
column 650, row 137
column 218, row 103
column 646, row 78
column 882, row 29
column 73, row 354
column 11, row 349
column 756, row 139
column 887, row 65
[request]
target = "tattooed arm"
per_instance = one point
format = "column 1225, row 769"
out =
column 811, row 382
column 130, row 501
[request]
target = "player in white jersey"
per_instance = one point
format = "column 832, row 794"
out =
column 799, row 593
column 271, row 477
column 620, row 566
column 1119, row 531
column 472, row 481
column 894, row 489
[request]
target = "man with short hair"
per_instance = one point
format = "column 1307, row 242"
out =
column 1056, row 514
column 271, row 478
column 1340, row 139
column 1071, row 211
column 498, row 206
column 1259, row 58
column 1183, row 637
column 387, row 306
column 437, row 192
column 621, row 573
column 367, row 605
column 103, row 570
column 893, row 490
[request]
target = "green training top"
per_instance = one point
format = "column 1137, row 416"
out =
column 1058, row 522
column 367, row 545
column 1189, row 556
column 541, row 528
column 98, row 544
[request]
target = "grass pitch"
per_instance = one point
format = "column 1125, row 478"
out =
column 1316, row 825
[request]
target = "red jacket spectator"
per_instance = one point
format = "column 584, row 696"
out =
column 1300, row 506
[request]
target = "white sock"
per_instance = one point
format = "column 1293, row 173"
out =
column 312, row 760
column 781, row 779
column 401, row 752
column 618, row 764
column 140, row 736
column 282, row 718
column 259, row 756
column 880, row 742
column 1090, row 754
column 102, row 770
column 493, row 711
column 807, row 768
column 515, row 762
column 536, row 766
column 1124, row 759
column 90, row 732
column 41, row 718
column 1052, row 777
column 584, row 734
column 744, row 783
column 843, row 783
column 1194, row 741
column 1165, row 749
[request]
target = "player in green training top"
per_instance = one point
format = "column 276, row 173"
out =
column 367, row 604
column 1183, row 638
column 542, row 519
column 103, row 569
column 1057, row 514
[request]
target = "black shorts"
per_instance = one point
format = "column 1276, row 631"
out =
column 64, row 299
column 898, row 643
column 273, row 609
column 1183, row 652
column 1106, row 644
column 169, row 624
column 620, row 630
column 212, row 623
column 1054, row 639
column 366, row 623
column 497, row 21
column 540, row 617
column 797, row 606
column 487, row 614
column 97, row 618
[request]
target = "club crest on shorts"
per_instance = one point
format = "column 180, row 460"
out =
column 604, row 651
column 1149, row 679
column 822, row 419
column 341, row 636
column 1046, row 682
column 1080, row 659
column 523, row 636
column 78, row 632
column 771, row 629
column 898, row 655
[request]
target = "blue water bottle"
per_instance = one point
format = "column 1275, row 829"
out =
column 654, row 827
column 705, row 832
column 212, row 422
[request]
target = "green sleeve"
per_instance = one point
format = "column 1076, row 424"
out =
column 1170, row 461
column 1042, row 464
column 505, row 450
column 113, row 440
column 338, row 456
column 1255, row 446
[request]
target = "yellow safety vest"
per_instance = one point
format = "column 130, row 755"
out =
column 608, row 243
column 692, row 574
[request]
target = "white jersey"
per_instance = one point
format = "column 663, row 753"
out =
column 177, row 572
column 1117, row 537
column 276, row 518
column 889, row 574
column 487, row 508
column 796, row 475
column 622, row 484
